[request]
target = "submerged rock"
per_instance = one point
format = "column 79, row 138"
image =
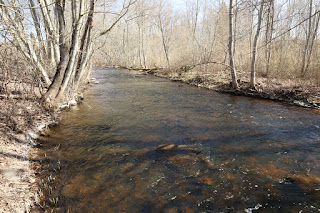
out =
column 167, row 147
column 188, row 160
column 205, row 180
column 175, row 147
column 310, row 182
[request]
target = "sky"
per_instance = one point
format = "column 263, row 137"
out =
column 178, row 4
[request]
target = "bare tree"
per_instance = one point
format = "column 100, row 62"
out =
column 230, row 47
column 312, row 29
column 254, row 51
column 197, row 34
column 68, row 28
column 269, row 35
column 21, row 38
column 164, row 22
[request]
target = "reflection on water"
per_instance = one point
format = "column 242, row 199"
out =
column 144, row 144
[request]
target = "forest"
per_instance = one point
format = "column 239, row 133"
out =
column 267, row 45
column 49, row 49
column 275, row 42
column 282, row 35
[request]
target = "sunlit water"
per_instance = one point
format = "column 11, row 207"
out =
column 221, row 153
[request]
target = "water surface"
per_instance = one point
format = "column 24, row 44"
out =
column 144, row 144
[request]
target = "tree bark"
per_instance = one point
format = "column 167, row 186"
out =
column 315, row 31
column 230, row 47
column 85, row 48
column 48, row 23
column 68, row 45
column 73, row 52
column 53, row 90
column 254, row 51
column 313, row 26
column 269, row 36
column 36, row 22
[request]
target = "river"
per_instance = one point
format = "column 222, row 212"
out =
column 139, row 143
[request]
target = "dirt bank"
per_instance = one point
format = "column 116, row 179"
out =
column 298, row 92
column 21, row 118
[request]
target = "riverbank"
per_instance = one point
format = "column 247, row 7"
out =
column 21, row 119
column 138, row 139
column 298, row 92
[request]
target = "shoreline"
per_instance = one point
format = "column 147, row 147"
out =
column 284, row 95
column 19, row 150
column 293, row 92
column 19, row 189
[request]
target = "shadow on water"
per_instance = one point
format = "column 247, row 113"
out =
column 144, row 144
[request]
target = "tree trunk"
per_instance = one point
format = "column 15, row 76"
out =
column 254, row 51
column 53, row 90
column 68, row 46
column 230, row 47
column 269, row 36
column 315, row 31
column 24, row 42
column 235, row 28
column 165, row 47
column 50, row 29
column 36, row 23
column 306, row 49
column 73, row 53
column 85, row 49
column 313, row 26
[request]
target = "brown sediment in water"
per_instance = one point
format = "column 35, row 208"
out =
column 206, row 181
column 130, row 172
column 310, row 182
column 273, row 171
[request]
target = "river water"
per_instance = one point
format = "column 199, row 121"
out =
column 139, row 143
